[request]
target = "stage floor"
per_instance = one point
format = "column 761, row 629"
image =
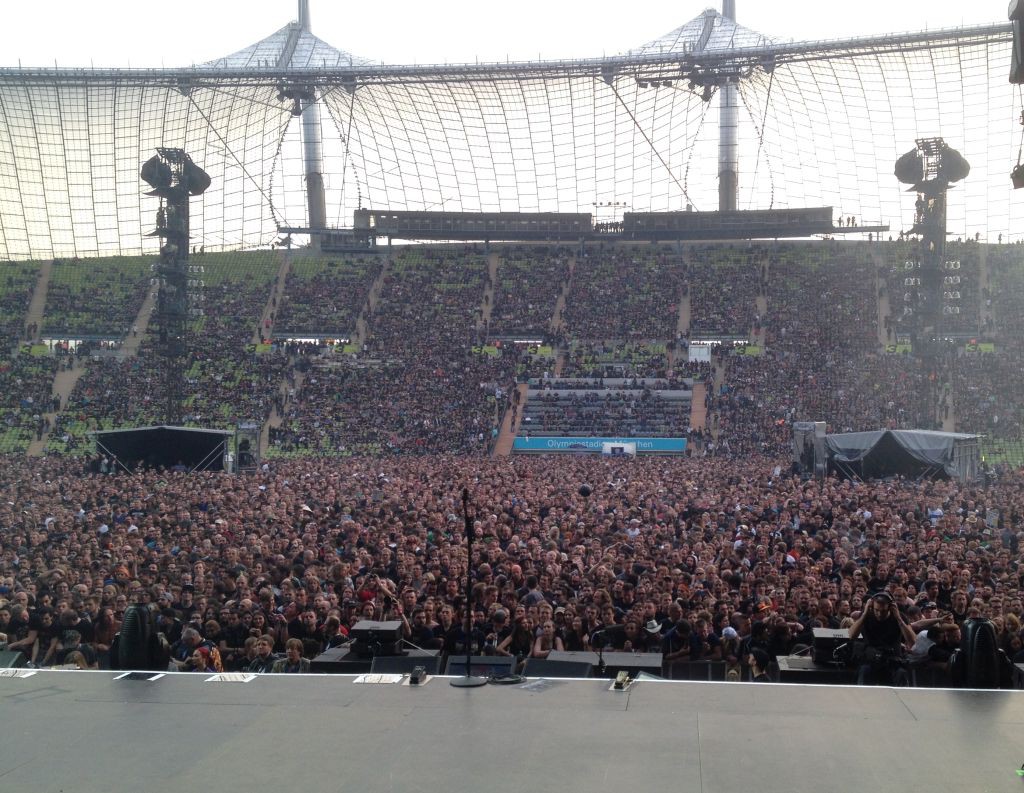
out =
column 85, row 731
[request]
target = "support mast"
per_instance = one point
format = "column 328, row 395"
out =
column 312, row 147
column 728, row 157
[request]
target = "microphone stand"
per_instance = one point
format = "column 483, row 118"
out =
column 469, row 681
column 601, row 668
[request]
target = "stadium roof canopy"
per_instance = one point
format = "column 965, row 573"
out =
column 708, row 32
column 820, row 124
column 291, row 48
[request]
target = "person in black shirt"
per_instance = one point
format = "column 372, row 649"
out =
column 884, row 632
column 496, row 632
column 421, row 634
column 43, row 632
column 231, row 641
column 305, row 626
column 168, row 623
column 758, row 660
column 71, row 620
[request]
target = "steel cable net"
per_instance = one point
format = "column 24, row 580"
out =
column 70, row 156
column 814, row 131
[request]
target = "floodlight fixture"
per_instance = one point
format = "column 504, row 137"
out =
column 156, row 173
column 932, row 166
column 171, row 170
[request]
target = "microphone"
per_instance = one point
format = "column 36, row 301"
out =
column 586, row 490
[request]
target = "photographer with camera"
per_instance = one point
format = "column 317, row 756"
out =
column 885, row 633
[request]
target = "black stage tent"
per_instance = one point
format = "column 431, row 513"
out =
column 195, row 448
column 915, row 454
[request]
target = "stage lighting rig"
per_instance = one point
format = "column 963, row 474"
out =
column 930, row 168
column 174, row 179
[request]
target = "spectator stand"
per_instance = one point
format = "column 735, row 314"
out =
column 415, row 406
column 228, row 379
column 425, row 384
column 626, row 292
column 429, row 291
column 324, row 297
column 529, row 283
column 616, row 358
column 26, row 382
column 16, row 288
column 95, row 298
column 607, row 407
column 822, row 359
column 988, row 381
column 724, row 283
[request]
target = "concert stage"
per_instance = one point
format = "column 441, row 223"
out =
column 86, row 731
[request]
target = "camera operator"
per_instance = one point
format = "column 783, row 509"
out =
column 885, row 632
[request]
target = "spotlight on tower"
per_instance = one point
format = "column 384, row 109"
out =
column 932, row 167
column 910, row 168
column 194, row 178
column 172, row 170
column 156, row 173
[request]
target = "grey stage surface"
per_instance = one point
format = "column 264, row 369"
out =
column 82, row 731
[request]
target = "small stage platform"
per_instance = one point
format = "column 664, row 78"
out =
column 87, row 731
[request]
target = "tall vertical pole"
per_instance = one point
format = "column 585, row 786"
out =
column 312, row 147
column 728, row 157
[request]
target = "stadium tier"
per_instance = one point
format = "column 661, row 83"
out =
column 423, row 349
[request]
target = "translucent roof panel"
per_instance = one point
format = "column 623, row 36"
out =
column 70, row 156
column 709, row 31
column 297, row 48
column 818, row 129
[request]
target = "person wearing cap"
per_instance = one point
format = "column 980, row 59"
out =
column 885, row 635
column 169, row 625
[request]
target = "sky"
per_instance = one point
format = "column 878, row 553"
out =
column 143, row 33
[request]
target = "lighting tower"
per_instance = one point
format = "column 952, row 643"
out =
column 930, row 168
column 174, row 178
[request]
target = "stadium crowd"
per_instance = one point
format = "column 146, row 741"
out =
column 632, row 413
column 723, row 284
column 323, row 298
column 227, row 381
column 527, row 289
column 95, row 297
column 821, row 358
column 705, row 559
column 625, row 294
column 416, row 407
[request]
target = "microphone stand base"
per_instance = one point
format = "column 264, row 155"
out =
column 470, row 681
